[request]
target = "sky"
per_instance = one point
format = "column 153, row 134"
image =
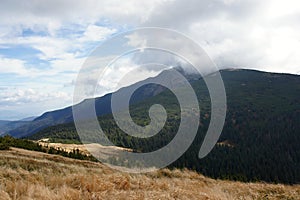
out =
column 43, row 44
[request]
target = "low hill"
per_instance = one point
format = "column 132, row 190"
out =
column 34, row 175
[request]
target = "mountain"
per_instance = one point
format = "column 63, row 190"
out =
column 6, row 126
column 3, row 122
column 102, row 105
column 260, row 139
column 2, row 125
column 28, row 119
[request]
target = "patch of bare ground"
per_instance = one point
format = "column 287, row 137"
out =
column 34, row 175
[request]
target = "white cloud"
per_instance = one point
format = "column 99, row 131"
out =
column 17, row 103
column 29, row 95
column 123, row 72
column 18, row 67
column 53, row 14
column 249, row 34
column 13, row 66
column 63, row 54
column 235, row 33
column 96, row 33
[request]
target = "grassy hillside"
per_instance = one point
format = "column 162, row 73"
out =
column 7, row 142
column 34, row 175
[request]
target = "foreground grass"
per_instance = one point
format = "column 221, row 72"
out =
column 34, row 175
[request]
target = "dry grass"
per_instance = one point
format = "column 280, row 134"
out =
column 33, row 175
column 82, row 148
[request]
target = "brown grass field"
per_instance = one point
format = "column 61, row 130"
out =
column 34, row 175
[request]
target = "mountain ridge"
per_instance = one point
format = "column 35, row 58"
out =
column 262, row 127
column 102, row 105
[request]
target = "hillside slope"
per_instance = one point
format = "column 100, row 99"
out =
column 33, row 175
column 102, row 105
column 260, row 139
column 6, row 126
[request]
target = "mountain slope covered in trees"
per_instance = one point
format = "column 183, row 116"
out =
column 259, row 141
column 102, row 105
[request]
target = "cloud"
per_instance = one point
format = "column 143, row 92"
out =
column 28, row 95
column 243, row 34
column 52, row 15
column 17, row 67
column 181, row 14
column 98, row 77
column 61, row 54
column 17, row 102
column 96, row 33
column 235, row 33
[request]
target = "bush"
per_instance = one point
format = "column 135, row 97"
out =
column 4, row 146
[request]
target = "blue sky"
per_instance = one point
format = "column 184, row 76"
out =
column 44, row 44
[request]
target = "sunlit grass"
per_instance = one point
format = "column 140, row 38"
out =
column 34, row 175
